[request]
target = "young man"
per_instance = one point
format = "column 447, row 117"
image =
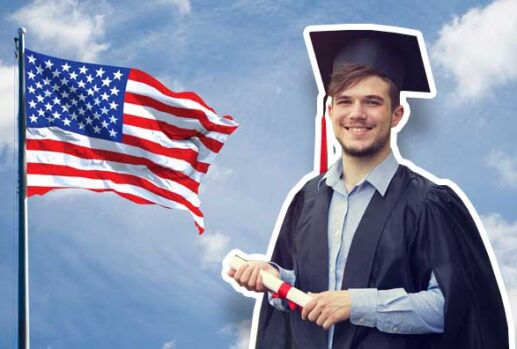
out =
column 391, row 259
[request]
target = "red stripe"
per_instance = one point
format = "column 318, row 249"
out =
column 153, row 147
column 323, row 146
column 97, row 154
column 143, row 77
column 178, row 112
column 173, row 132
column 59, row 170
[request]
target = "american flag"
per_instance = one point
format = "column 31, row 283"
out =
column 106, row 128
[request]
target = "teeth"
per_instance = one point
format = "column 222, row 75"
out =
column 358, row 129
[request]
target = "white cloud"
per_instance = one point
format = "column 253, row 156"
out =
column 66, row 27
column 169, row 345
column 214, row 246
column 7, row 112
column 241, row 331
column 505, row 165
column 503, row 236
column 479, row 48
column 183, row 6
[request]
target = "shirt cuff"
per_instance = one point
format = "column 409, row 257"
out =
column 364, row 306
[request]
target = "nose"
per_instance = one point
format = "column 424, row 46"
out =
column 357, row 110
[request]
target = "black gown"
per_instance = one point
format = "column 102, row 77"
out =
column 416, row 228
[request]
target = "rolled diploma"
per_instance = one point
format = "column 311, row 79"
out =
column 273, row 283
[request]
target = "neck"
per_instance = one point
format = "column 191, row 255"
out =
column 355, row 168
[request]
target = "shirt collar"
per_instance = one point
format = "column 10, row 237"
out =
column 380, row 177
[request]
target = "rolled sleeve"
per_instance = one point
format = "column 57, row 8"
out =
column 288, row 276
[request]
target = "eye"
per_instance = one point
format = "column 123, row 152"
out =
column 344, row 102
column 373, row 102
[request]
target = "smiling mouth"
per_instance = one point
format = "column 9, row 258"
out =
column 358, row 130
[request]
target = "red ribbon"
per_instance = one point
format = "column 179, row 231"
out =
column 282, row 294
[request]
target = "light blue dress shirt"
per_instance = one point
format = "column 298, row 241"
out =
column 394, row 310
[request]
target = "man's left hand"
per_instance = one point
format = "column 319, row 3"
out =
column 328, row 308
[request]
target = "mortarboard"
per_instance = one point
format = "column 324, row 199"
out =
column 396, row 55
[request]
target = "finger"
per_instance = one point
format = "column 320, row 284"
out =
column 239, row 272
column 245, row 277
column 231, row 272
column 315, row 314
column 321, row 319
column 308, row 308
column 252, row 283
column 329, row 322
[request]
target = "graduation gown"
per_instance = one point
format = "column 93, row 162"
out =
column 416, row 228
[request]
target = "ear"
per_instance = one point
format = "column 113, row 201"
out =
column 329, row 110
column 396, row 115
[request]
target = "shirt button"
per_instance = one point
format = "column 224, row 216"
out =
column 395, row 328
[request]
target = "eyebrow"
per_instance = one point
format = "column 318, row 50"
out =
column 376, row 97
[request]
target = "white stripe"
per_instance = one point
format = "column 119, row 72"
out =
column 53, row 158
column 87, row 183
column 57, row 134
column 159, row 137
column 149, row 91
column 153, row 114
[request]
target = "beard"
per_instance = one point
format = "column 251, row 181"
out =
column 369, row 151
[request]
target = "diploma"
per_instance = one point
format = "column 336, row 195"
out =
column 274, row 284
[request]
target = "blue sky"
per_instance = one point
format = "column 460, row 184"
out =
column 107, row 273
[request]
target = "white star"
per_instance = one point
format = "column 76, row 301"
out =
column 47, row 93
column 89, row 106
column 31, row 75
column 114, row 91
column 105, row 124
column 96, row 88
column 31, row 89
column 96, row 101
column 106, row 82
column 55, row 87
column 48, row 106
column 73, row 75
column 90, row 91
column 104, row 96
column 38, row 84
column 96, row 115
column 113, row 119
column 113, row 105
column 96, row 129
column 73, row 89
column 64, row 81
column 49, row 64
column 74, row 101
column 46, row 81
column 81, row 111
column 113, row 133
column 81, row 84
column 65, row 66
column 64, row 94
column 55, row 73
column 66, row 122
column 83, row 70
column 56, row 115
column 33, row 118
column 104, row 110
column 73, row 115
column 39, row 69
column 56, row 100
column 49, row 119
column 99, row 72
column 40, row 98
column 32, row 59
column 81, row 126
column 89, row 78
column 32, row 104
column 41, row 112
column 117, row 75
column 65, row 107
column 82, row 97
column 88, row 120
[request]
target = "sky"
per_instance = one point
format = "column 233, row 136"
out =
column 105, row 272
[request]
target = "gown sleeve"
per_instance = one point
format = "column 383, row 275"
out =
column 453, row 249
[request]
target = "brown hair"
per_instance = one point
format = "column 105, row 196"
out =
column 349, row 74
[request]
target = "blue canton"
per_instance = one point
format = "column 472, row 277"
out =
column 84, row 98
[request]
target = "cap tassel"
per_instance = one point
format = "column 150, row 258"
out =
column 323, row 146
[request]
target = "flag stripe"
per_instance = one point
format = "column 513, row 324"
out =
column 173, row 132
column 39, row 182
column 163, row 180
column 142, row 77
column 178, row 112
column 33, row 190
column 66, row 171
column 183, row 164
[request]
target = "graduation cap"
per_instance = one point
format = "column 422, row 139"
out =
column 396, row 54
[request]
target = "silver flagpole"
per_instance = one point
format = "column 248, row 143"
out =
column 23, row 236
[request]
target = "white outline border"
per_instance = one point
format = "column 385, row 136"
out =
column 334, row 154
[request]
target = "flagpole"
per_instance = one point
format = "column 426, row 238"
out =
column 23, row 237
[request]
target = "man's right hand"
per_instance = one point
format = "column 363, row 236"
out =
column 248, row 275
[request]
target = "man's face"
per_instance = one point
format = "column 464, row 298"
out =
column 362, row 117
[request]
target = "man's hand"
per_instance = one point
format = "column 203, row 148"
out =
column 248, row 275
column 328, row 308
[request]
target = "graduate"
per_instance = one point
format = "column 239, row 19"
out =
column 391, row 259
